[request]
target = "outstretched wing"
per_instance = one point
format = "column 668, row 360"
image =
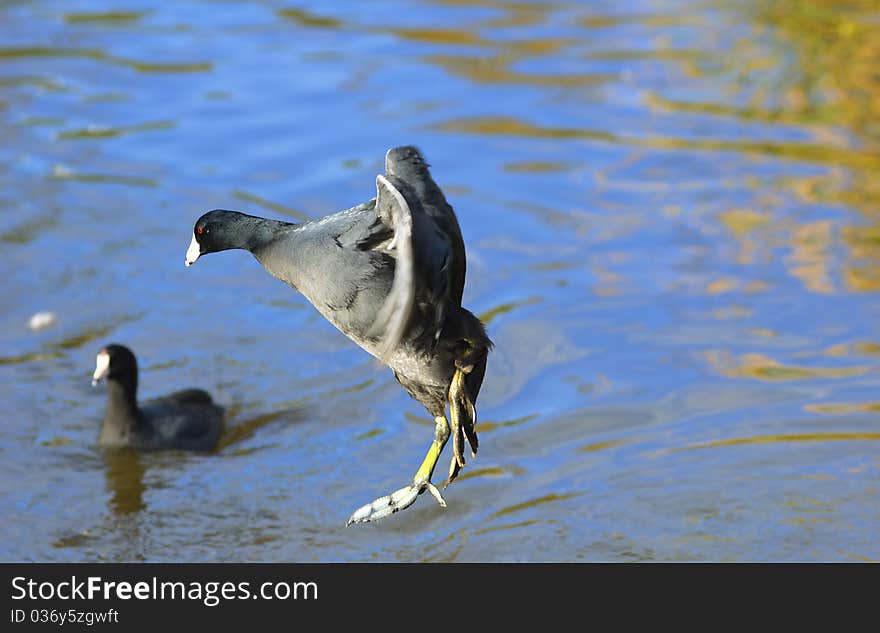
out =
column 407, row 163
column 422, row 254
column 392, row 318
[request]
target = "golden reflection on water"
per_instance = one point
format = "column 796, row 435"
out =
column 101, row 56
column 125, row 481
column 537, row 167
column 841, row 48
column 742, row 222
column 366, row 435
column 844, row 407
column 29, row 357
column 837, row 84
column 60, row 172
column 810, row 260
column 533, row 503
column 98, row 131
column 105, row 16
column 306, row 18
column 791, row 438
column 805, row 152
column 486, row 426
column 487, row 316
column 272, row 206
column 510, row 526
column 491, row 471
column 601, row 446
column 858, row 347
column 496, row 69
column 763, row 367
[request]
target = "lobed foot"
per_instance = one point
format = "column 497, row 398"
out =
column 395, row 502
column 462, row 420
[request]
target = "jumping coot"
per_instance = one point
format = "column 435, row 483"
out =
column 188, row 420
column 389, row 273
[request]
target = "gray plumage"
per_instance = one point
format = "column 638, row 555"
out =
column 186, row 420
column 389, row 274
column 345, row 264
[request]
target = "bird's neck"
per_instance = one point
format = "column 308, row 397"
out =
column 255, row 234
column 123, row 415
column 265, row 242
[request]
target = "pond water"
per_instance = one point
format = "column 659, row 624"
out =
column 672, row 217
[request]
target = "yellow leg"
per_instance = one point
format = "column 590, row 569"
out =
column 441, row 435
column 405, row 497
column 463, row 418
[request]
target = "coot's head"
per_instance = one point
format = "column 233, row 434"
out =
column 405, row 162
column 116, row 362
column 217, row 230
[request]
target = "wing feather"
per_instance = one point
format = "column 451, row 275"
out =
column 394, row 315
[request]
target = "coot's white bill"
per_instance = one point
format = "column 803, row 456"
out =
column 102, row 366
column 193, row 252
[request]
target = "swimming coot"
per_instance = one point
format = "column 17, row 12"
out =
column 389, row 273
column 188, row 420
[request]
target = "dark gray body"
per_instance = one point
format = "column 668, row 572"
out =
column 338, row 248
column 185, row 420
column 307, row 256
column 346, row 265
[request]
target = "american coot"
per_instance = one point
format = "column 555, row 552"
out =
column 389, row 273
column 188, row 420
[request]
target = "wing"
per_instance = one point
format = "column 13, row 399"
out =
column 392, row 318
column 407, row 163
column 184, row 424
column 191, row 396
column 422, row 255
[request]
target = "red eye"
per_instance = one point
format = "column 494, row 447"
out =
column 199, row 230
